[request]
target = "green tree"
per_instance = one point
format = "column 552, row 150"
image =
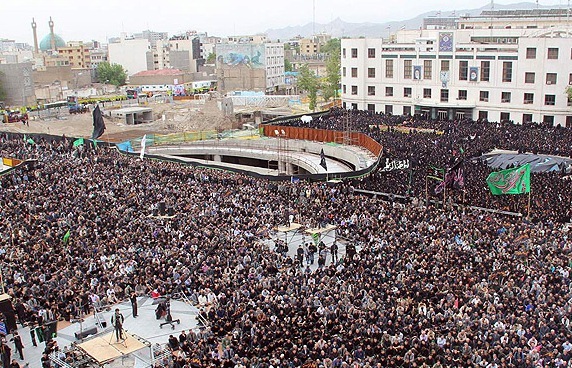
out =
column 333, row 46
column 111, row 73
column 309, row 82
column 332, row 80
column 211, row 58
column 288, row 66
column 569, row 93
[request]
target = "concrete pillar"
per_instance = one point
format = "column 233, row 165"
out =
column 433, row 113
column 289, row 168
column 217, row 158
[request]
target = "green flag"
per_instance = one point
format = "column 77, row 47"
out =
column 510, row 181
column 78, row 142
column 66, row 237
column 31, row 141
column 316, row 238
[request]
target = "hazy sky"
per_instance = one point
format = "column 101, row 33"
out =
column 100, row 19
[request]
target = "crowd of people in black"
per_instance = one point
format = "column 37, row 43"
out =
column 429, row 287
column 430, row 143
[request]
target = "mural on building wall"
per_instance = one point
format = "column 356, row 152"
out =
column 473, row 74
column 446, row 41
column 251, row 56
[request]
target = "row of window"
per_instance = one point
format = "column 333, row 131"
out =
column 506, row 97
column 552, row 53
column 465, row 72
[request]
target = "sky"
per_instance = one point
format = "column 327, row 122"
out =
column 102, row 19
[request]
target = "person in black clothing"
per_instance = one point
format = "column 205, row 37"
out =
column 6, row 353
column 117, row 322
column 18, row 344
column 300, row 255
column 334, row 252
column 133, row 300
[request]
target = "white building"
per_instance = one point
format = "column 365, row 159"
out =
column 496, row 67
column 129, row 53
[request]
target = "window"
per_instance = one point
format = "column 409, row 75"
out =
column 484, row 96
column 354, row 106
column 389, row 109
column 407, row 66
column 528, row 98
column 344, row 71
column 354, row 72
column 371, row 72
column 569, row 121
column 426, row 92
column 483, row 115
column 526, row 118
column 550, row 100
column 444, row 65
column 552, row 53
column 505, row 116
column 444, row 95
column 371, row 53
column 485, row 71
column 389, row 68
column 354, row 53
column 463, row 70
column 570, row 78
column 531, row 53
column 407, row 92
column 344, row 53
column 406, row 110
column 344, row 89
column 551, row 78
column 388, row 91
column 505, row 97
column 427, row 69
column 354, row 90
column 507, row 71
column 462, row 94
column 371, row 90
column 371, row 107
column 548, row 119
column 529, row 77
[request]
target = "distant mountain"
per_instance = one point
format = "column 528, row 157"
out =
column 339, row 28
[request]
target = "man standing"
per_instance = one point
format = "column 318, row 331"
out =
column 334, row 251
column 6, row 353
column 133, row 300
column 117, row 322
column 18, row 344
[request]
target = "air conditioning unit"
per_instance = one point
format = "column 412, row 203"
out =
column 527, row 102
column 486, row 99
column 548, row 82
column 505, row 100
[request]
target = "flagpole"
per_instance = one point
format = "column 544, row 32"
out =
column 427, row 190
column 444, row 188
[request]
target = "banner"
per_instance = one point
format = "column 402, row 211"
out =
column 394, row 165
column 473, row 74
column 510, row 181
column 445, row 41
column 417, row 72
column 316, row 238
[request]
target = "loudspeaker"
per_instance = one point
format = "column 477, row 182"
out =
column 161, row 208
column 85, row 333
column 8, row 311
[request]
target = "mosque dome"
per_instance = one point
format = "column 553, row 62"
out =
column 46, row 43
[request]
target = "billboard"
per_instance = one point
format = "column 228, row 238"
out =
column 446, row 41
column 473, row 74
column 236, row 55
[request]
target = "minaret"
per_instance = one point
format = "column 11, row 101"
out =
column 52, row 35
column 35, row 36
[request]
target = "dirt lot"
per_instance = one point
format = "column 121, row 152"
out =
column 179, row 116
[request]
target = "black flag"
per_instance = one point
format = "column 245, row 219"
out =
column 323, row 160
column 98, row 123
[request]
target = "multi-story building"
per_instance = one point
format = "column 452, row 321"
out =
column 497, row 66
column 77, row 53
column 130, row 53
column 250, row 67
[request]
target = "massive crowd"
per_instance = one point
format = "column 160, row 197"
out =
column 434, row 143
column 429, row 288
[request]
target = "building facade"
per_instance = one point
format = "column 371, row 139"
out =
column 487, row 71
column 250, row 67
column 129, row 53
column 77, row 53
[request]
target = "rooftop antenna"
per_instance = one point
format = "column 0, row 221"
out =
column 314, row 18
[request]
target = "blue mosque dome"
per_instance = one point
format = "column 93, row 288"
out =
column 46, row 43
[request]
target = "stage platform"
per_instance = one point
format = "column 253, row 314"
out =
column 284, row 229
column 104, row 348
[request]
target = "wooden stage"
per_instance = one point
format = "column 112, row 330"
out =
column 104, row 348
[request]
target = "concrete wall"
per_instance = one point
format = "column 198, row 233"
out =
column 159, row 79
column 51, row 74
column 18, row 83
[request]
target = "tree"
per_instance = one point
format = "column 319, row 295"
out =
column 310, row 83
column 332, row 82
column 569, row 93
column 211, row 58
column 111, row 73
column 333, row 46
column 288, row 66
